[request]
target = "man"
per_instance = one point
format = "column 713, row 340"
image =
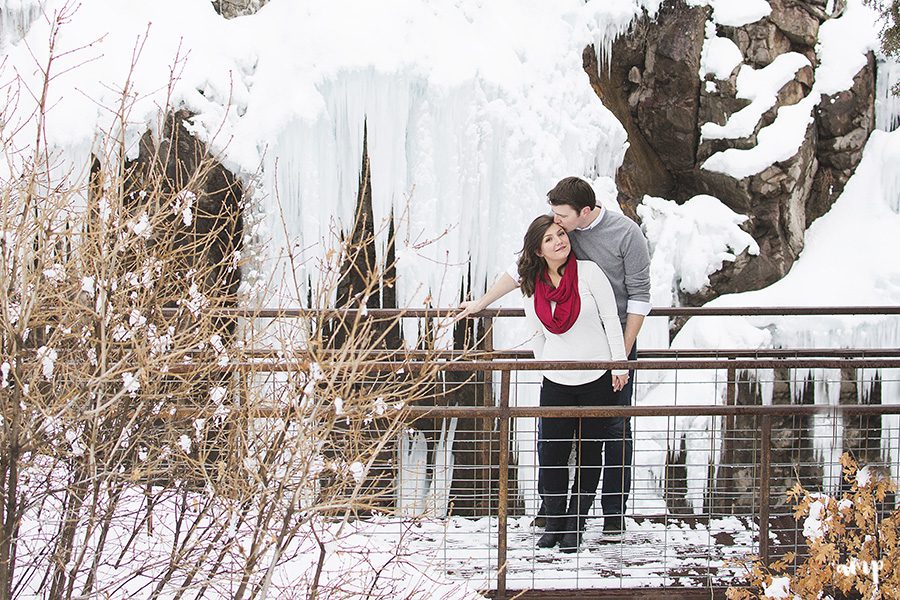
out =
column 617, row 245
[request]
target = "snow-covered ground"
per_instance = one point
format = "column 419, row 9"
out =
column 388, row 557
column 654, row 554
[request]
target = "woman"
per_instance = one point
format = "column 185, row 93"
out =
column 570, row 305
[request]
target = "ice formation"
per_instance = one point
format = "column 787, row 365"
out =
column 16, row 18
column 470, row 112
column 887, row 103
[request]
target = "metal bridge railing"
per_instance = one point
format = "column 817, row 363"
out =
column 738, row 483
column 710, row 468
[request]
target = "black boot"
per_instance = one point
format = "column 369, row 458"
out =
column 555, row 507
column 613, row 529
column 579, row 507
column 540, row 520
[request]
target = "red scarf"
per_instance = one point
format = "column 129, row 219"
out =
column 568, row 301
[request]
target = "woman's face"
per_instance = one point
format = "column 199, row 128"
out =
column 555, row 244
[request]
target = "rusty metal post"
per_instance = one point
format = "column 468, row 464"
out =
column 731, row 389
column 765, row 473
column 503, row 487
column 725, row 485
column 486, row 426
column 488, row 334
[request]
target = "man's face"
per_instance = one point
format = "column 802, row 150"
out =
column 567, row 217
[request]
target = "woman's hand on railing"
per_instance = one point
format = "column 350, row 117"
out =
column 467, row 308
column 619, row 381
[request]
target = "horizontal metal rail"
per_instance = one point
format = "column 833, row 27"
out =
column 493, row 412
column 677, row 311
column 394, row 355
column 288, row 365
column 782, row 410
column 710, row 593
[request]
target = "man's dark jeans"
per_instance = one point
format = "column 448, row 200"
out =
column 615, row 446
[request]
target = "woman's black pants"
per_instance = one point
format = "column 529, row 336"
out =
column 603, row 446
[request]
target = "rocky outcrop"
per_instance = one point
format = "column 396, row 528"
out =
column 237, row 8
column 652, row 86
column 665, row 102
column 843, row 123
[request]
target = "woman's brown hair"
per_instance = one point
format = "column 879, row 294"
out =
column 530, row 265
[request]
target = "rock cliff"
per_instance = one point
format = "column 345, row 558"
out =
column 653, row 87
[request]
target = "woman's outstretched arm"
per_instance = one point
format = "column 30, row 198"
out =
column 504, row 285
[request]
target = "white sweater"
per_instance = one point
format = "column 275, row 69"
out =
column 595, row 335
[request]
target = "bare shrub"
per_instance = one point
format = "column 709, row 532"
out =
column 853, row 544
column 149, row 448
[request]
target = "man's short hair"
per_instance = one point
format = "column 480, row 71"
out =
column 574, row 191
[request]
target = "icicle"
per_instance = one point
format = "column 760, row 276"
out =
column 828, row 431
column 765, row 378
column 890, row 424
column 797, row 383
column 698, row 456
column 887, row 104
column 890, row 175
column 16, row 19
column 412, row 473
column 865, row 383
column 890, row 386
column 442, row 478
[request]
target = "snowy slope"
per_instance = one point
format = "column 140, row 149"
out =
column 847, row 260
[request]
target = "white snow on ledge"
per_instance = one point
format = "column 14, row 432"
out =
column 844, row 44
column 733, row 13
column 689, row 242
column 847, row 260
column 761, row 87
column 719, row 56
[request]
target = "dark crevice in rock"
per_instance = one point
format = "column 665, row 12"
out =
column 179, row 163
column 363, row 282
column 844, row 122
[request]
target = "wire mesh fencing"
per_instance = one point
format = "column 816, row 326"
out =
column 707, row 487
column 714, row 440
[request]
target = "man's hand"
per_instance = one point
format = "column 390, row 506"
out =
column 619, row 381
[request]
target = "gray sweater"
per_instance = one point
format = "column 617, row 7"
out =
column 616, row 244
